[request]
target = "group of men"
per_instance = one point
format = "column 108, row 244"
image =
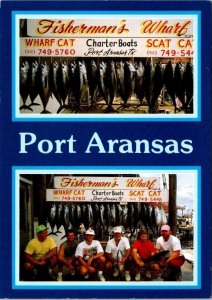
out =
column 88, row 257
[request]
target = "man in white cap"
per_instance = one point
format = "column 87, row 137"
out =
column 175, row 258
column 91, row 256
column 118, row 252
column 40, row 252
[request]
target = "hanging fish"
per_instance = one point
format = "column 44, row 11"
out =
column 52, row 218
column 158, row 216
column 59, row 217
column 84, row 215
column 102, row 217
column 125, row 212
column 129, row 81
column 53, row 74
column 101, row 75
column 33, row 82
column 80, row 83
column 44, row 86
column 72, row 215
column 148, row 81
column 92, row 80
column 119, row 215
column 63, row 84
column 139, row 82
column 188, row 83
column 113, row 215
column 163, row 216
column 153, row 220
column 168, row 77
column 111, row 84
column 90, row 216
column 24, row 84
column 120, row 78
column 66, row 221
column 179, row 83
column 157, row 87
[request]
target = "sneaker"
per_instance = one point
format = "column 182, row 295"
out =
column 86, row 276
column 138, row 277
column 60, row 276
column 115, row 272
column 72, row 272
column 101, row 277
column 127, row 276
column 148, row 274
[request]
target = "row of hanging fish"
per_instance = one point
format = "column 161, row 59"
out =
column 87, row 81
column 102, row 217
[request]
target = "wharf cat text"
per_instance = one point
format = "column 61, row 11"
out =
column 30, row 142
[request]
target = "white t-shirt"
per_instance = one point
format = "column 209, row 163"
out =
column 120, row 250
column 173, row 244
column 86, row 251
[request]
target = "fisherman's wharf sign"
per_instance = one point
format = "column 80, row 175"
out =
column 96, row 35
column 107, row 189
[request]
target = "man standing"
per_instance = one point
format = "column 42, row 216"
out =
column 66, row 254
column 143, row 249
column 175, row 259
column 40, row 252
column 90, row 255
column 117, row 252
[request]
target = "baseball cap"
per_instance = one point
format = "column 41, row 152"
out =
column 90, row 231
column 117, row 229
column 40, row 228
column 165, row 227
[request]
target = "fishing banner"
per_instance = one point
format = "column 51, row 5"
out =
column 106, row 189
column 108, row 36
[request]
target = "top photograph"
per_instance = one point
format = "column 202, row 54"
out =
column 106, row 66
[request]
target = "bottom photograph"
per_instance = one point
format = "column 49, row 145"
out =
column 98, row 226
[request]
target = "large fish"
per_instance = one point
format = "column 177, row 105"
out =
column 24, row 84
column 188, row 83
column 163, row 216
column 59, row 217
column 101, row 73
column 119, row 215
column 84, row 214
column 148, row 81
column 92, row 80
column 139, row 82
column 125, row 212
column 113, row 215
column 129, row 81
column 158, row 217
column 66, row 221
column 168, row 77
column 111, row 84
column 157, row 87
column 80, row 83
column 52, row 218
column 179, row 83
column 63, row 84
column 90, row 216
column 44, row 85
column 33, row 82
column 120, row 78
column 102, row 216
column 53, row 74
column 72, row 215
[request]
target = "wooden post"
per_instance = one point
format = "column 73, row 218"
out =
column 172, row 202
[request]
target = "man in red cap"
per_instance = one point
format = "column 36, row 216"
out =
column 175, row 259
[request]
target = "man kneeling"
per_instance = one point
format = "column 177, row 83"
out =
column 41, row 253
column 90, row 255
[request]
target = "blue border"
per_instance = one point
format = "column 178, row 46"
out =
column 75, row 118
column 114, row 287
